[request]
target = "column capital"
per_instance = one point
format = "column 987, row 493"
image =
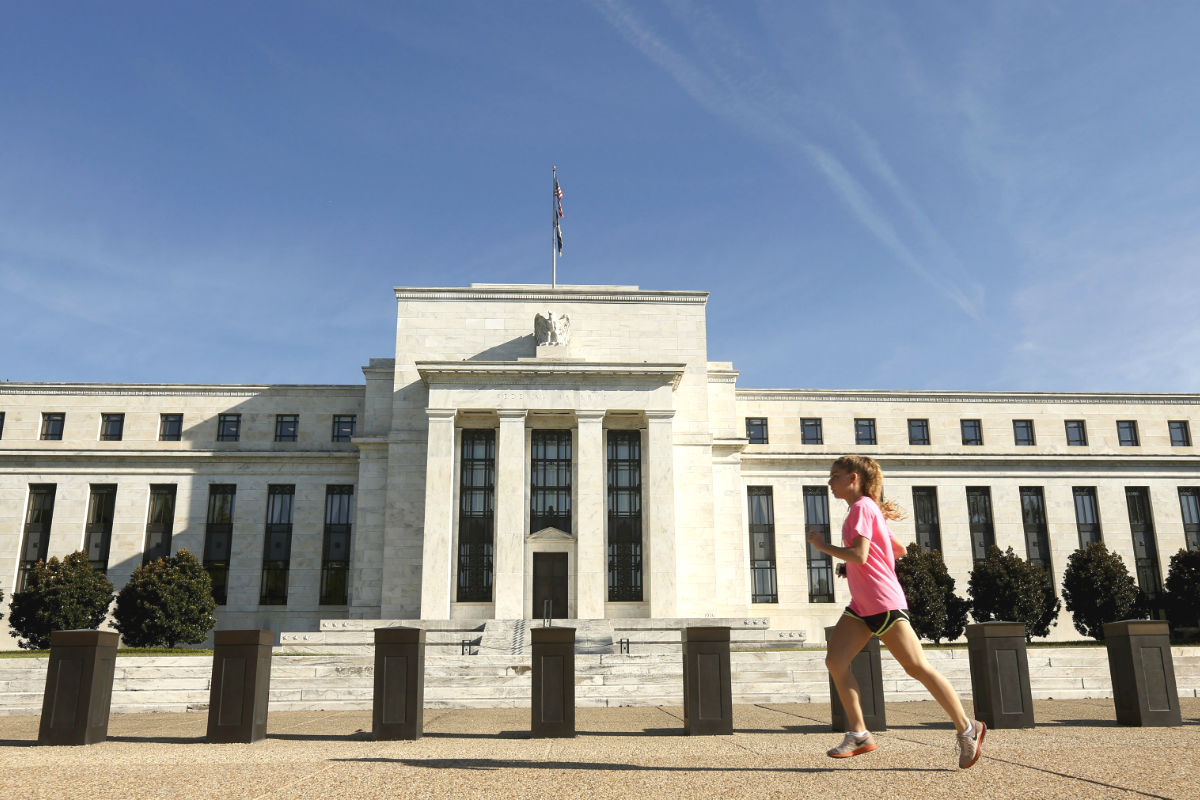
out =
column 441, row 413
column 518, row 414
column 660, row 415
column 590, row 415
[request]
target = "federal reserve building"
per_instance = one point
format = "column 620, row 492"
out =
column 532, row 451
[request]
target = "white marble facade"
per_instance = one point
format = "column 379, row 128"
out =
column 624, row 360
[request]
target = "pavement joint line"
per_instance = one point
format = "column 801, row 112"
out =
column 1078, row 778
column 275, row 792
column 329, row 715
column 789, row 713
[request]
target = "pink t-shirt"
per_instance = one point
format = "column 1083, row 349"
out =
column 874, row 587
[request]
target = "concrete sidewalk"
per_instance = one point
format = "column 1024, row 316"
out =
column 1077, row 750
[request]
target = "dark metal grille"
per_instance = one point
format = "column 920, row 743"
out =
column 1076, row 433
column 820, row 565
column 218, row 538
column 287, row 427
column 52, row 427
column 1087, row 515
column 810, row 431
column 1181, row 434
column 1127, row 432
column 1023, row 432
column 550, row 481
column 1145, row 549
column 160, row 522
column 918, row 431
column 37, row 529
column 476, row 515
column 112, row 427
column 343, row 427
column 979, row 513
column 170, row 427
column 1189, row 507
column 624, row 516
column 925, row 517
column 335, row 549
column 756, row 430
column 229, row 427
column 864, row 431
column 277, row 545
column 763, row 588
column 1037, row 535
column 972, row 432
column 99, row 525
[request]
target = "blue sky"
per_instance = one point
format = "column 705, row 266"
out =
column 877, row 195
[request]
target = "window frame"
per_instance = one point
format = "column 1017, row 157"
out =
column 165, row 422
column 474, row 574
column 277, row 537
column 218, row 537
column 1127, row 433
column 338, row 434
column 337, row 539
column 550, row 478
column 1023, row 433
column 54, row 423
column 983, row 533
column 625, row 539
column 757, row 431
column 1174, row 426
column 162, row 529
column 811, row 431
column 1080, row 427
column 1089, row 497
column 928, row 531
column 226, row 423
column 764, row 586
column 282, row 431
column 112, row 426
column 922, row 426
column 977, row 439
column 864, row 431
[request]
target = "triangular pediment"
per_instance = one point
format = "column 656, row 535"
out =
column 550, row 534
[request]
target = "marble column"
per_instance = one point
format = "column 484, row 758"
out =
column 591, row 562
column 437, row 548
column 658, row 510
column 509, row 559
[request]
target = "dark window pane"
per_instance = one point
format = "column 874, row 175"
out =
column 1181, row 434
column 229, row 427
column 1127, row 433
column 972, row 432
column 1076, row 433
column 624, row 516
column 550, row 481
column 343, row 427
column 925, row 517
column 810, row 431
column 335, row 549
column 218, row 537
column 477, row 497
column 160, row 523
column 979, row 513
column 38, row 518
column 170, row 427
column 1145, row 548
column 918, row 431
column 762, row 544
column 864, row 431
column 1189, row 507
column 277, row 545
column 286, row 427
column 1087, row 515
column 820, row 565
column 756, row 430
column 98, row 531
column 112, row 427
column 52, row 427
column 1023, row 432
column 1033, row 517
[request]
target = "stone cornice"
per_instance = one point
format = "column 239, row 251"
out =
column 543, row 293
column 494, row 372
column 208, row 455
column 887, row 396
column 996, row 461
column 164, row 389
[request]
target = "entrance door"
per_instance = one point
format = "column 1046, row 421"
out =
column 550, row 585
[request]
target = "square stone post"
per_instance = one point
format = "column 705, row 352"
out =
column 591, row 564
column 509, row 560
column 437, row 557
column 658, row 506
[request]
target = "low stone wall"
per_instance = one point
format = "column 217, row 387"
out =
column 345, row 682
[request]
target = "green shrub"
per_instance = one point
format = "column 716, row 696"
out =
column 1098, row 588
column 1006, row 587
column 1183, row 589
column 937, row 612
column 58, row 596
column 166, row 602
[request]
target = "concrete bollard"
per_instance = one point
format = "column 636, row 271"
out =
column 79, row 681
column 707, row 682
column 241, row 685
column 553, row 691
column 399, row 700
column 1143, row 673
column 1000, row 689
column 867, row 668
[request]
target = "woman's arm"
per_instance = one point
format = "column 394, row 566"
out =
column 898, row 549
column 855, row 553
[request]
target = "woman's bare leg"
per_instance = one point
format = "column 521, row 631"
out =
column 903, row 643
column 847, row 640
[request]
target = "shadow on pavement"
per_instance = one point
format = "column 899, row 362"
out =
column 495, row 764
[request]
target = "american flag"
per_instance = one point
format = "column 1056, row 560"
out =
column 558, row 212
column 558, row 196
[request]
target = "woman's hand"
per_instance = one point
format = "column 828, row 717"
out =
column 816, row 538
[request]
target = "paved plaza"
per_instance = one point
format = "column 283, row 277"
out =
column 777, row 750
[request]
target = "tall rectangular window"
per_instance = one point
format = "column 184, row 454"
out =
column 820, row 565
column 756, row 430
column 1189, row 507
column 112, row 427
column 1181, row 434
column 170, row 427
column 1127, row 433
column 1037, row 535
column 1145, row 548
column 38, row 517
column 864, row 431
column 343, row 427
column 277, row 545
column 972, row 431
column 287, row 427
column 335, row 548
column 218, row 538
column 810, row 431
column 1023, row 432
column 918, row 431
column 1, row 424
column 925, row 517
column 550, row 480
column 160, row 522
column 1087, row 515
column 52, row 426
column 98, row 533
column 476, row 515
column 624, row 516
column 979, row 515
column 229, row 427
column 763, row 588
column 1076, row 433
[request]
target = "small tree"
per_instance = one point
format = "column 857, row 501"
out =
column 59, row 596
column 937, row 612
column 1098, row 588
column 1183, row 589
column 1006, row 587
column 166, row 602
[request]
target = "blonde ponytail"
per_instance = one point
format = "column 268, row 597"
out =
column 870, row 478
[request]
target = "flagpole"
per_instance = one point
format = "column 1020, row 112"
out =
column 554, row 233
